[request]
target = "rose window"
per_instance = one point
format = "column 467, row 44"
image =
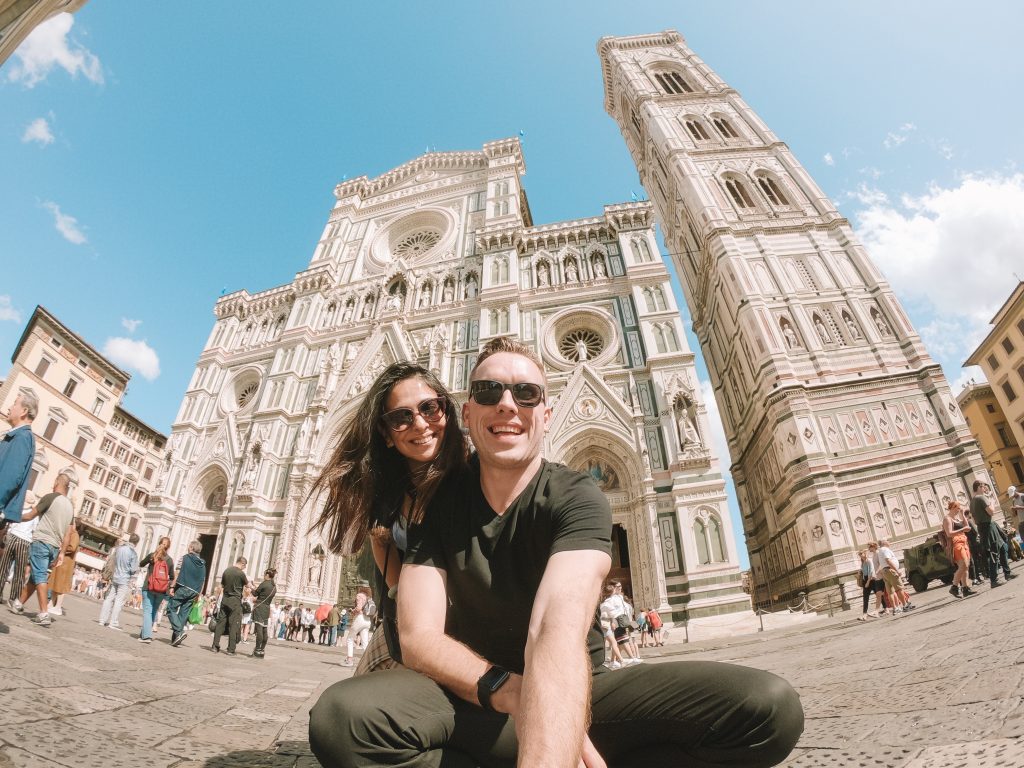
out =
column 581, row 344
column 245, row 394
column 417, row 244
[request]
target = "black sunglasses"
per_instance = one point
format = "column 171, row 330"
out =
column 487, row 392
column 431, row 410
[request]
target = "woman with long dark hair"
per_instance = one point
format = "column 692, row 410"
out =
column 263, row 597
column 402, row 443
column 159, row 577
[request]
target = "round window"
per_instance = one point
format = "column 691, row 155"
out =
column 246, row 393
column 581, row 344
column 416, row 244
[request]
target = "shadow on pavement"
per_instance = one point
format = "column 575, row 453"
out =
column 4, row 629
column 285, row 754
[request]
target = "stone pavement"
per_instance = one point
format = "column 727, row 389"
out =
column 939, row 687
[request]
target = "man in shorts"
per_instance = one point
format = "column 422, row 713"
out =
column 501, row 639
column 49, row 542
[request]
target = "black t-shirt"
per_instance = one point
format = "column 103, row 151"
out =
column 494, row 563
column 233, row 581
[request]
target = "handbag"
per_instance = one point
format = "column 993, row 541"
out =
column 622, row 621
column 195, row 616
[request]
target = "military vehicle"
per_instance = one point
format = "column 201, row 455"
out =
column 925, row 562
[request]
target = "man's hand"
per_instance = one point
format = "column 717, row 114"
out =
column 60, row 559
column 507, row 699
column 590, row 758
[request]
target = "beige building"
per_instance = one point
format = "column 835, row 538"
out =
column 81, row 430
column 19, row 17
column 1001, row 358
column 990, row 428
column 841, row 427
column 426, row 263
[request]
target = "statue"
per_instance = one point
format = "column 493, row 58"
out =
column 448, row 295
column 543, row 274
column 351, row 352
column 349, row 309
column 471, row 286
column 424, row 299
column 880, row 325
column 792, row 342
column 571, row 273
column 852, row 327
column 685, row 426
column 819, row 326
column 581, row 350
column 599, row 268
column 367, row 307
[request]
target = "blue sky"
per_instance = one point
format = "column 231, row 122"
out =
column 153, row 156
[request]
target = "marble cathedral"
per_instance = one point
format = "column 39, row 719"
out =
column 426, row 263
column 841, row 427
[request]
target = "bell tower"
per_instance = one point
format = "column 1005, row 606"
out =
column 841, row 428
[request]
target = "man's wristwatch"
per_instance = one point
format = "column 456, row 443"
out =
column 489, row 684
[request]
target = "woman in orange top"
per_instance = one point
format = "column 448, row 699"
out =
column 955, row 526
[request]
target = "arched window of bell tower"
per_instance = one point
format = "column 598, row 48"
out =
column 724, row 127
column 772, row 190
column 739, row 193
column 672, row 82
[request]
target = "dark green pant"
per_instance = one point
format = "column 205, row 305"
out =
column 693, row 713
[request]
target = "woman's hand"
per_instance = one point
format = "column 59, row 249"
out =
column 381, row 535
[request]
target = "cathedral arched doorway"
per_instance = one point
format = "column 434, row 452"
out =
column 620, row 570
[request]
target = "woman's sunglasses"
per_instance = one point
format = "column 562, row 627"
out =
column 487, row 392
column 431, row 410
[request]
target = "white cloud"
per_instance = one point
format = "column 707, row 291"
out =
column 829, row 160
column 38, row 130
column 47, row 47
column 895, row 138
column 954, row 248
column 869, row 196
column 135, row 355
column 66, row 225
column 130, row 325
column 871, row 172
column 8, row 311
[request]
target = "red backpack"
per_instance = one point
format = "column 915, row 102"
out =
column 160, row 578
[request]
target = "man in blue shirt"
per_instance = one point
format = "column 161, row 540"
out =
column 17, row 449
column 126, row 565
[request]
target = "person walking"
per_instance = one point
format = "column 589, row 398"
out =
column 185, row 591
column 247, row 603
column 17, row 450
column 263, row 596
column 869, row 584
column 14, row 559
column 159, row 577
column 49, row 542
column 233, row 580
column 124, row 564
column 63, row 575
column 955, row 528
column 993, row 546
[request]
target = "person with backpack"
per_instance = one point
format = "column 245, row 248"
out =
column 157, row 585
column 119, row 570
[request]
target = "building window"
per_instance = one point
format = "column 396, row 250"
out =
column 51, row 430
column 116, row 519
column 1018, row 471
column 725, row 128
column 1020, row 373
column 56, row 343
column 1007, row 345
column 1003, row 436
column 102, row 514
column 1020, row 327
column 108, row 445
column 672, row 83
column 122, row 453
column 1008, row 391
column 97, row 407
column 134, row 461
column 43, row 367
column 697, row 130
column 476, row 202
column 88, row 505
column 642, row 249
column 772, row 190
column 33, row 475
column 112, row 480
column 993, row 363
column 148, row 474
column 79, row 447
column 739, row 194
column 990, row 408
column 69, row 388
column 96, row 474
column 708, row 538
column 654, row 298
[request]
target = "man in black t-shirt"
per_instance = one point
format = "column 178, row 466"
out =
column 990, row 537
column 233, row 580
column 497, row 613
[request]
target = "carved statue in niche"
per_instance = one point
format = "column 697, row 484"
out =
column 880, row 324
column 351, row 352
column 448, row 293
column 792, row 342
column 471, row 286
column 424, row 300
column 394, row 301
column 571, row 273
column 599, row 268
column 819, row 326
column 686, row 423
column 367, row 307
column 543, row 274
column 581, row 350
column 253, row 465
column 852, row 327
column 350, row 308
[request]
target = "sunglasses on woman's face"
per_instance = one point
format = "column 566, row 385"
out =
column 431, row 410
column 487, row 392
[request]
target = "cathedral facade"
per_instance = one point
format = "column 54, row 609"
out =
column 426, row 263
column 841, row 428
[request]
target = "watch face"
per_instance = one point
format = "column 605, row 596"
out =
column 494, row 678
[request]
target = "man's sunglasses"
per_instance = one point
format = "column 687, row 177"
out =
column 400, row 419
column 487, row 392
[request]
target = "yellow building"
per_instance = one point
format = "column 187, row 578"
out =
column 1000, row 356
column 988, row 424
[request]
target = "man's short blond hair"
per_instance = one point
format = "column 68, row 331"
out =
column 512, row 346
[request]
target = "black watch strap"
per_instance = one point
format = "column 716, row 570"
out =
column 489, row 684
